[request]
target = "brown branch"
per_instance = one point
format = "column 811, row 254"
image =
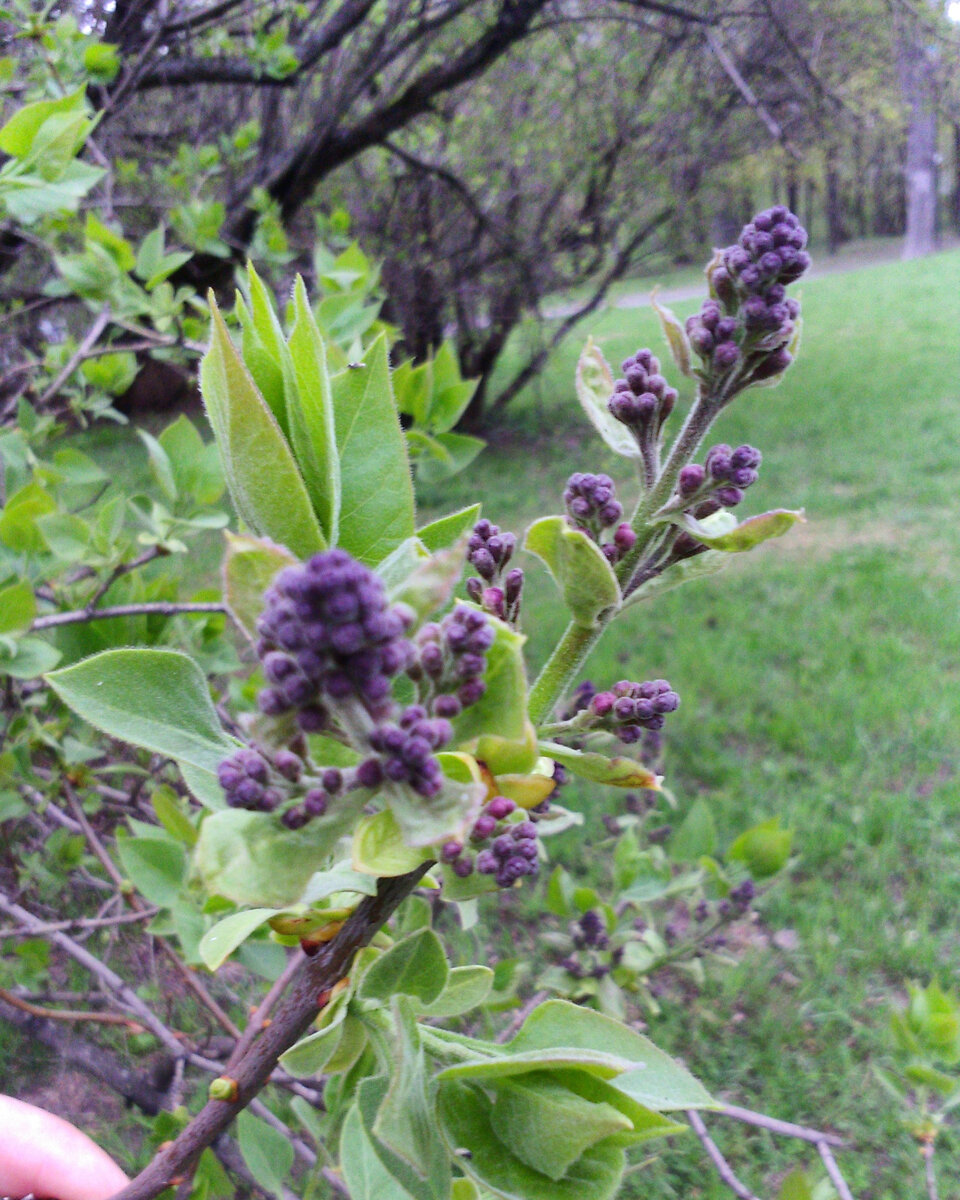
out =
column 67, row 1014
column 41, row 930
column 157, row 608
column 308, row 992
column 749, row 95
column 260, row 1017
column 724, row 1170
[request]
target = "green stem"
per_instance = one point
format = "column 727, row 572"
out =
column 558, row 672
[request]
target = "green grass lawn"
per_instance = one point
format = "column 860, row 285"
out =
column 819, row 679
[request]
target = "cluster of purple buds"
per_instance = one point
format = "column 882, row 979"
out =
column 721, row 481
column 406, row 752
column 590, row 931
column 743, row 895
column 449, row 661
column 250, row 780
column 317, row 798
column 327, row 633
column 497, row 590
column 749, row 319
column 247, row 781
column 592, row 506
column 642, row 400
column 508, row 851
column 630, row 708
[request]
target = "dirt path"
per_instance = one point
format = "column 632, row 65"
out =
column 851, row 258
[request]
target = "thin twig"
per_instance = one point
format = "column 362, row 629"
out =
column 75, row 359
column 724, row 1170
column 136, row 903
column 127, row 918
column 68, row 1014
column 931, row 1178
column 787, row 1128
column 154, row 608
column 521, row 1015
column 124, row 569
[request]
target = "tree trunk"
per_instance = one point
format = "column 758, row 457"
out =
column 956, row 177
column 916, row 67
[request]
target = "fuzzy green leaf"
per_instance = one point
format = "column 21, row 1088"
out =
column 249, row 567
column 616, row 772
column 594, row 383
column 585, row 577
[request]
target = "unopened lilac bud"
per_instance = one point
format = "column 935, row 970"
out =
column 295, row 818
column 312, row 719
column 610, row 514
column 450, row 851
column 483, row 827
column 726, row 328
column 500, row 807
column 729, row 497
column 513, row 585
column 746, row 456
column 725, row 355
column 482, row 562
column 462, row 867
column 470, row 692
column 775, row 363
column 369, row 773
column 602, row 703
column 691, row 479
column 447, row 706
column 624, row 538
column 487, row 862
column 702, row 340
column 743, row 477
column 493, row 601
column 332, row 779
column 474, row 589
column 289, row 765
column 315, row 802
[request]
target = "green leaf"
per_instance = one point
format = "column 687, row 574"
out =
column 66, row 535
column 376, row 512
column 688, row 569
column 747, row 534
column 32, row 657
column 675, row 334
column 585, row 578
column 220, row 941
column 795, row 1187
column 548, row 1126
column 764, row 849
column 594, row 383
column 170, row 813
column 697, row 835
column 364, row 1173
column 115, row 244
column 156, row 867
column 616, row 772
column 101, row 60
column 446, row 531
column 430, row 583
column 149, row 253
column 250, row 858
column 379, row 848
column 266, row 1151
column 453, row 452
column 424, row 821
column 160, row 467
column 249, row 567
column 312, row 425
column 194, row 466
column 502, row 709
column 466, row 989
column 262, row 475
column 308, row 1057
column 466, row 1120
column 339, row 878
column 404, row 1121
column 17, row 136
column 371, row 1094
column 415, row 966
column 157, row 699
column 18, row 608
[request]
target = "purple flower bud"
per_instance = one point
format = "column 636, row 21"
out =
column 295, row 818
column 369, row 773
column 500, row 807
column 624, row 538
column 524, row 829
column 462, row 867
column 718, row 461
column 289, row 765
column 729, row 497
column 450, row 851
column 610, row 514
column 471, row 691
column 474, row 589
column 726, row 328
column 487, row 862
column 602, row 703
column 691, row 479
column 743, row 477
column 513, row 585
column 483, row 827
column 482, row 562
column 725, row 355
column 775, row 363
column 447, row 706
column 315, row 802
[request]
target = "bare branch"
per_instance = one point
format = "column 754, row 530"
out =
column 833, row 1171
column 89, row 341
column 153, row 608
column 816, row 1136
column 724, row 1170
column 69, row 1014
column 745, row 90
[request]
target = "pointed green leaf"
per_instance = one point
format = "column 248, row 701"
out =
column 155, row 865
column 594, row 388
column 220, row 941
column 747, row 534
column 377, row 511
column 466, row 989
column 263, row 477
column 764, row 849
column 266, row 1151
column 157, row 699
column 415, row 966
column 364, row 1173
column 314, row 432
column 379, row 848
column 616, row 772
column 675, row 334
column 585, row 577
column 18, row 608
column 445, row 531
column 466, row 1113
